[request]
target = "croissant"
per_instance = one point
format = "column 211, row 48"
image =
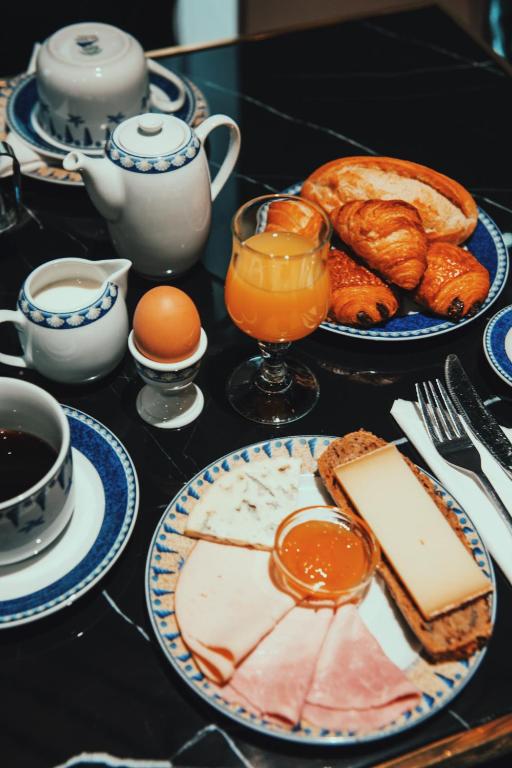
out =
column 294, row 216
column 447, row 209
column 358, row 297
column 388, row 235
column 454, row 284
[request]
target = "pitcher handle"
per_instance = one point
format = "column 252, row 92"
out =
column 12, row 316
column 7, row 151
column 224, row 172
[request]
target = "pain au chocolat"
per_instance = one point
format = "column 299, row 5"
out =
column 448, row 211
column 454, row 283
column 358, row 297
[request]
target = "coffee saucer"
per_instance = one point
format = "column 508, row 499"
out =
column 498, row 343
column 23, row 105
column 107, row 498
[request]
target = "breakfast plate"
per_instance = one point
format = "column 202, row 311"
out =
column 487, row 245
column 107, row 499
column 498, row 343
column 18, row 107
column 438, row 682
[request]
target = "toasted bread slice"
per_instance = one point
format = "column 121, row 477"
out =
column 456, row 634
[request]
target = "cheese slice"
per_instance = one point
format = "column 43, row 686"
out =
column 424, row 550
column 246, row 505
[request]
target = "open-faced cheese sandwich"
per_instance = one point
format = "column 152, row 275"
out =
column 427, row 564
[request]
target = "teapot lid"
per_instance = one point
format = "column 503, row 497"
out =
column 152, row 143
column 150, row 135
column 89, row 43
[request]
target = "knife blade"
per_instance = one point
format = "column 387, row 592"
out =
column 469, row 404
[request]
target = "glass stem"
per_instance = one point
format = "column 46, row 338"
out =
column 273, row 376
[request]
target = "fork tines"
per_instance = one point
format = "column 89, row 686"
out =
column 439, row 415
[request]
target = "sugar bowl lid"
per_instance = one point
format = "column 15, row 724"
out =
column 89, row 43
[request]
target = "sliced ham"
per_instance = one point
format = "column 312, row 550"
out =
column 274, row 680
column 225, row 604
column 356, row 686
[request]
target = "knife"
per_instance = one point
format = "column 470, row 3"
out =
column 482, row 422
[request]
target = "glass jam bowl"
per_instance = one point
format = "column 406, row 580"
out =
column 324, row 556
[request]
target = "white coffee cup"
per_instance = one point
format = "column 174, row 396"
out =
column 30, row 521
column 90, row 77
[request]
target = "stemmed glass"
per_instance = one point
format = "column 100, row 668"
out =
column 277, row 291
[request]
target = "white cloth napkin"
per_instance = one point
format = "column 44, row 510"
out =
column 464, row 489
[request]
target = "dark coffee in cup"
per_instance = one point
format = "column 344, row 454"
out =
column 36, row 470
column 24, row 459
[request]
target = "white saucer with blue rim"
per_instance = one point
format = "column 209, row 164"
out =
column 498, row 343
column 23, row 104
column 107, row 499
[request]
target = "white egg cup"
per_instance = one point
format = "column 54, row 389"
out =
column 169, row 399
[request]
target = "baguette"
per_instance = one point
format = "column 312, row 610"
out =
column 456, row 634
column 448, row 211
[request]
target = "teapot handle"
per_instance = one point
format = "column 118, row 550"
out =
column 202, row 131
column 12, row 316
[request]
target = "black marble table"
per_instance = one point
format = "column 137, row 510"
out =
column 91, row 678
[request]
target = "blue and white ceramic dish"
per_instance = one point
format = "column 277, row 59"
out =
column 169, row 549
column 107, row 498
column 498, row 343
column 486, row 243
column 22, row 106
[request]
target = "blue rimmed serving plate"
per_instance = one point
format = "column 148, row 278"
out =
column 107, row 498
column 170, row 547
column 486, row 244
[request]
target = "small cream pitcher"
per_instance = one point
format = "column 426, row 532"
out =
column 71, row 319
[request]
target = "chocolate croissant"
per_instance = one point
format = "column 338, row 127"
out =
column 294, row 216
column 388, row 235
column 358, row 297
column 454, row 284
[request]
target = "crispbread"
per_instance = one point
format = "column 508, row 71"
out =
column 454, row 635
column 245, row 506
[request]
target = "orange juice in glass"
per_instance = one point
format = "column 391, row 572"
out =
column 277, row 291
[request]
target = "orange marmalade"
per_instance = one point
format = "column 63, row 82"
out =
column 323, row 553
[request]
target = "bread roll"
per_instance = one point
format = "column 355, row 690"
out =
column 447, row 210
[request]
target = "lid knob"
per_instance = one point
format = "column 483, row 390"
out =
column 149, row 125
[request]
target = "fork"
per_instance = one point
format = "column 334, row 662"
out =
column 451, row 440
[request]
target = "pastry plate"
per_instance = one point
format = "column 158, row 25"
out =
column 498, row 343
column 107, row 499
column 18, row 106
column 169, row 549
column 486, row 243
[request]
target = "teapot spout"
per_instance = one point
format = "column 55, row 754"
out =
column 116, row 271
column 102, row 182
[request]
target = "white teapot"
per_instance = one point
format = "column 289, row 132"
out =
column 153, row 187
